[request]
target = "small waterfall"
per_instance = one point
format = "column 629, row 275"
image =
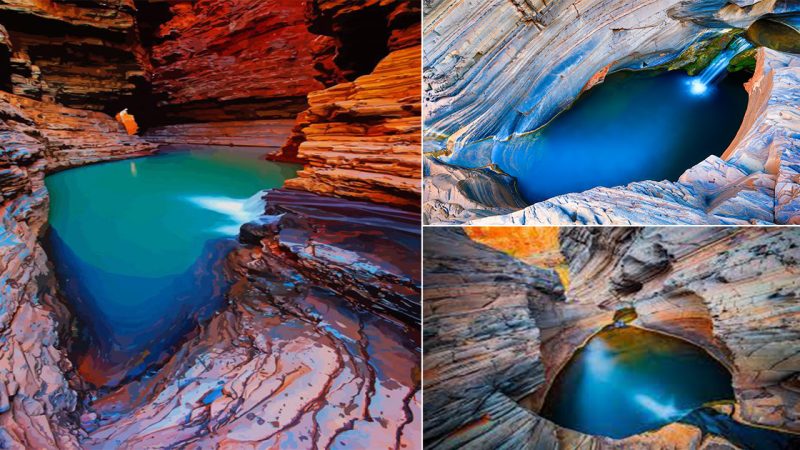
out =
column 664, row 411
column 699, row 84
column 237, row 211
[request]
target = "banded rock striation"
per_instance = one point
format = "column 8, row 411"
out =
column 500, row 70
column 300, row 356
column 36, row 398
column 498, row 331
column 361, row 138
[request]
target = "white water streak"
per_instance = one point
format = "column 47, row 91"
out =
column 700, row 84
column 237, row 211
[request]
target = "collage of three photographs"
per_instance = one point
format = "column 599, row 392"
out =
column 359, row 224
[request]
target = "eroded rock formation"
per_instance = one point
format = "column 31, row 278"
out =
column 498, row 331
column 317, row 348
column 361, row 138
column 503, row 69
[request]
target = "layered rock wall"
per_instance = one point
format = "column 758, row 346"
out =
column 35, row 396
column 361, row 138
column 732, row 291
column 80, row 54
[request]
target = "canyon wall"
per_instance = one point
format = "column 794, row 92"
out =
column 503, row 69
column 361, row 138
column 80, row 54
column 36, row 399
column 498, row 331
column 228, row 72
column 238, row 73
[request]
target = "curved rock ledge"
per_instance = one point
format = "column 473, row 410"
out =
column 498, row 330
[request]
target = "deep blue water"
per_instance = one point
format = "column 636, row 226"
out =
column 138, row 247
column 635, row 126
column 626, row 381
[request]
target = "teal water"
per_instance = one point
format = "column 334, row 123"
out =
column 635, row 126
column 137, row 246
column 627, row 380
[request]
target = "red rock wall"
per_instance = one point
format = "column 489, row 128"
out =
column 233, row 59
column 361, row 138
column 80, row 54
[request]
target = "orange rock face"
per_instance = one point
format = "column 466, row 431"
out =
column 128, row 121
column 215, row 53
column 362, row 138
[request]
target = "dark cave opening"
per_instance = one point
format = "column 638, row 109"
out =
column 150, row 16
column 362, row 39
column 363, row 42
column 5, row 69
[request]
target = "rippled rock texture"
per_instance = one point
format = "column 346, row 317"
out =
column 35, row 396
column 319, row 347
column 499, row 330
column 507, row 68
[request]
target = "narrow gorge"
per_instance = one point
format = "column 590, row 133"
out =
column 209, row 224
column 612, row 338
column 611, row 112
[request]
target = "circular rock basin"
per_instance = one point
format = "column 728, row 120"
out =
column 635, row 126
column 626, row 381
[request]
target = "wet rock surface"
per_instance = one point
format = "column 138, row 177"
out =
column 318, row 348
column 730, row 291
